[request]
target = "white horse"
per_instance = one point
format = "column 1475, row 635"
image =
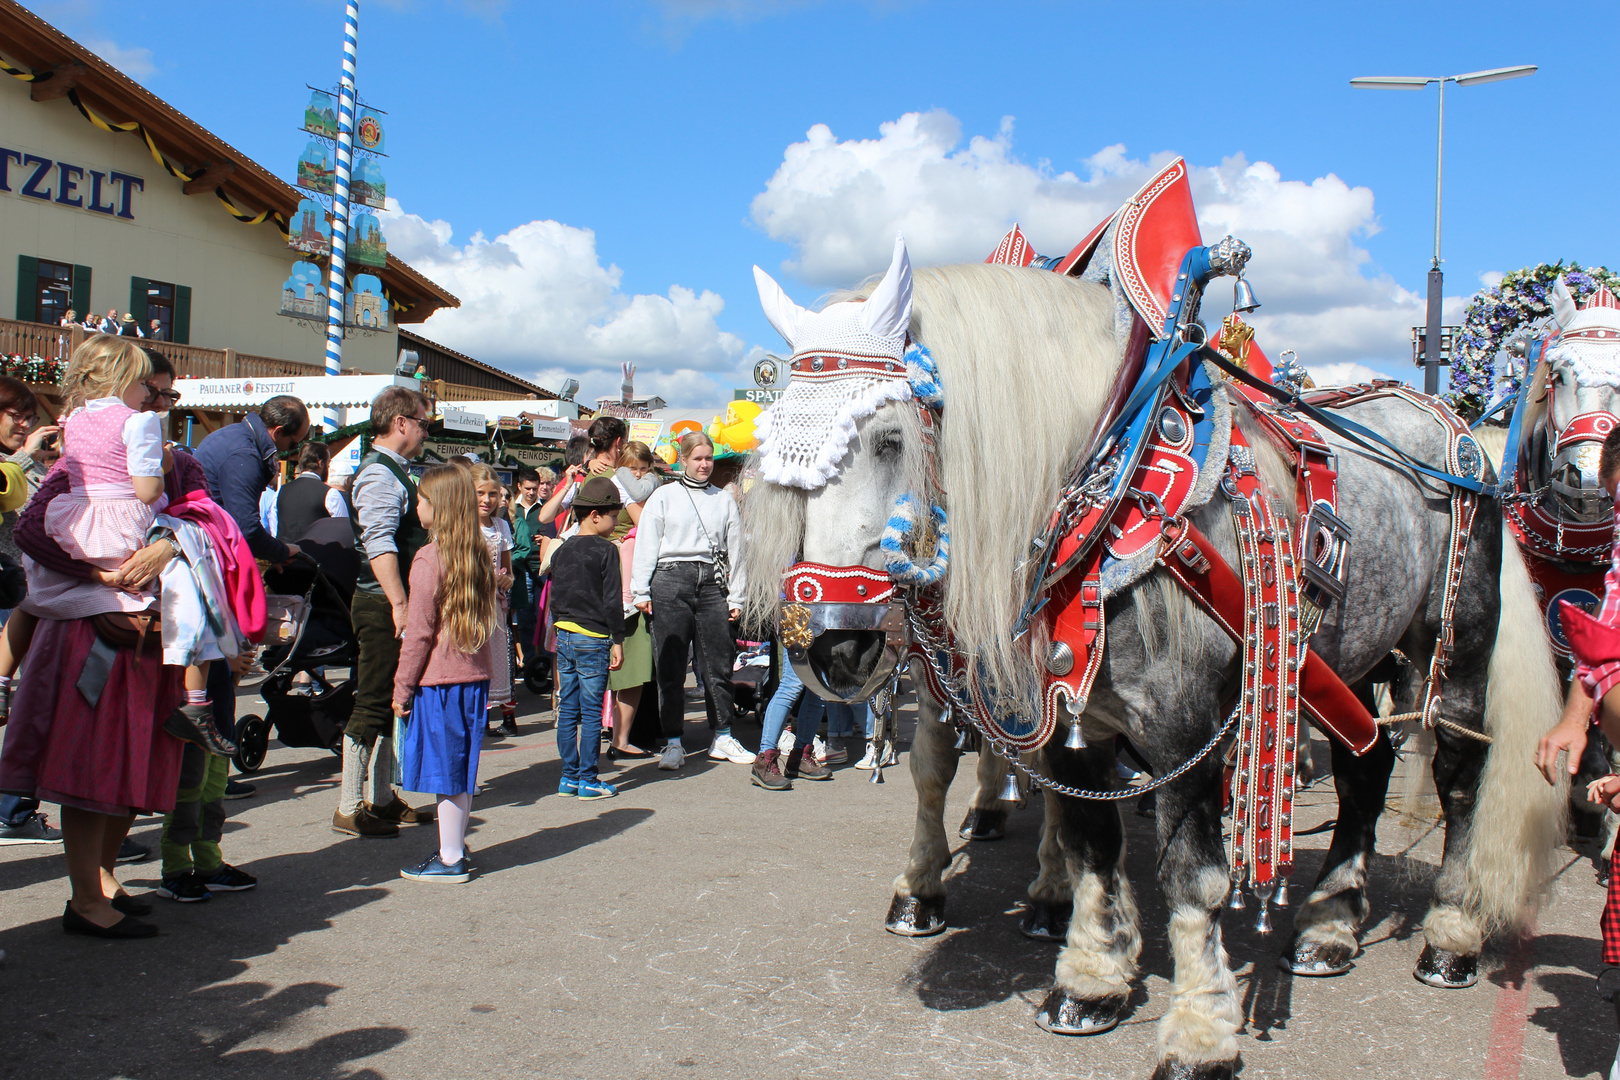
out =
column 1026, row 359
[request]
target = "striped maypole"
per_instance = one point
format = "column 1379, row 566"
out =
column 337, row 280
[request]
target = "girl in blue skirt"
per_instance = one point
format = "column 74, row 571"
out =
column 441, row 687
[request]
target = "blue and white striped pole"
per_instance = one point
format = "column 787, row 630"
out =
column 337, row 279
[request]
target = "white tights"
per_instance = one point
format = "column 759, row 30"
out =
column 454, row 812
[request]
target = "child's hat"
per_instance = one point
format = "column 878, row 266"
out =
column 597, row 493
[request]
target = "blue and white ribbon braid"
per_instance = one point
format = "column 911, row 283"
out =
column 923, row 374
column 902, row 524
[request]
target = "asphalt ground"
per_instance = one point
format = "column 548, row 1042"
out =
column 696, row 926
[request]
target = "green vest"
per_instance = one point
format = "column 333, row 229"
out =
column 409, row 537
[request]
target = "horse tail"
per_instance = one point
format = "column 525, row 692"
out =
column 1519, row 819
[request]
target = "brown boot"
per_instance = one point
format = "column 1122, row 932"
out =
column 363, row 823
column 401, row 813
column 802, row 765
column 767, row 772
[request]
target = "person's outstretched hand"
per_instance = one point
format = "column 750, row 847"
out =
column 1569, row 736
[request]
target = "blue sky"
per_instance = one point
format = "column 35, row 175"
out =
column 596, row 179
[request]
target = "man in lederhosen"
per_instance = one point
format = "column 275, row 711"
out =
column 389, row 536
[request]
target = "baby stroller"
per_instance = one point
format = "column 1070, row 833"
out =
column 308, row 630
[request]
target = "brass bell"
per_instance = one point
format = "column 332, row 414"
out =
column 1009, row 787
column 1243, row 296
column 1076, row 739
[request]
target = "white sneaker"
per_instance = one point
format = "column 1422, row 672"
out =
column 870, row 761
column 785, row 743
column 726, row 748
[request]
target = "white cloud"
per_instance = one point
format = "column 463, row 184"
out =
column 537, row 301
column 136, row 62
column 1343, row 374
column 839, row 203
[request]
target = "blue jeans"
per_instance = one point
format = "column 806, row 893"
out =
column 788, row 693
column 582, row 672
column 840, row 716
column 15, row 810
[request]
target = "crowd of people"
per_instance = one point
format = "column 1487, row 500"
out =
column 133, row 571
column 111, row 323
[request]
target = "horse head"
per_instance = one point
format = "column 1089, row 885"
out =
column 840, row 436
column 1583, row 405
column 975, row 400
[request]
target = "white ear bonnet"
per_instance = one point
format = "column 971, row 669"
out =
column 848, row 360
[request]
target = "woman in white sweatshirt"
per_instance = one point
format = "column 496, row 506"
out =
column 688, row 580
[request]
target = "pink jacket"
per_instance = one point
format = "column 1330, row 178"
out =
column 426, row 657
column 236, row 563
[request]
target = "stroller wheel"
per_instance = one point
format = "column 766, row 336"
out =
column 252, row 740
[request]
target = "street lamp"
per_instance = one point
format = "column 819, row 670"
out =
column 1431, row 348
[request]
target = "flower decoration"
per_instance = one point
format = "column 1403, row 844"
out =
column 1496, row 315
column 33, row 370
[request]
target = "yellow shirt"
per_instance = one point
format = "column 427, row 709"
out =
column 575, row 628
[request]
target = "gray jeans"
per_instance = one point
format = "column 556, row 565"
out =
column 689, row 611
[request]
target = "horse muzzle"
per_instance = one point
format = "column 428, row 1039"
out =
column 1576, row 489
column 843, row 628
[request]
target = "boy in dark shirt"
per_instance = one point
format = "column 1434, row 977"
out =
column 588, row 609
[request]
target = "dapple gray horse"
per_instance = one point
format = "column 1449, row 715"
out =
column 1026, row 360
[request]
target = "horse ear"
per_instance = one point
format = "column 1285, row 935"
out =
column 1563, row 302
column 887, row 312
column 782, row 312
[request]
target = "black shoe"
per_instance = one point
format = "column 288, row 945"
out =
column 195, row 724
column 236, row 789
column 130, row 851
column 186, row 887
column 126, row 928
column 126, row 904
column 509, row 727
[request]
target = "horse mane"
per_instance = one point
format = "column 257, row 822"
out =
column 1026, row 359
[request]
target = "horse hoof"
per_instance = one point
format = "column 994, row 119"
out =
column 1062, row 1014
column 1318, row 960
column 916, row 916
column 1171, row 1069
column 1047, row 922
column 984, row 825
column 1447, row 970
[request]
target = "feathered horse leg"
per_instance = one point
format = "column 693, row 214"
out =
column 918, row 909
column 1503, row 821
column 1099, row 955
column 1051, row 893
column 1198, row 1035
column 987, row 814
column 1325, row 928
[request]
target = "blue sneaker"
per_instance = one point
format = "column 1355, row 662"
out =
column 432, row 869
column 567, row 788
column 596, row 789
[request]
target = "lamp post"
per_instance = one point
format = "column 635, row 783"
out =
column 1431, row 346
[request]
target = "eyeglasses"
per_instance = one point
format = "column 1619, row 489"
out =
column 21, row 418
column 171, row 395
column 424, row 421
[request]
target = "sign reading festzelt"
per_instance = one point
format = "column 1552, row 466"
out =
column 34, row 177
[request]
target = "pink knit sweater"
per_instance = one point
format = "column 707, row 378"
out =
column 425, row 657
